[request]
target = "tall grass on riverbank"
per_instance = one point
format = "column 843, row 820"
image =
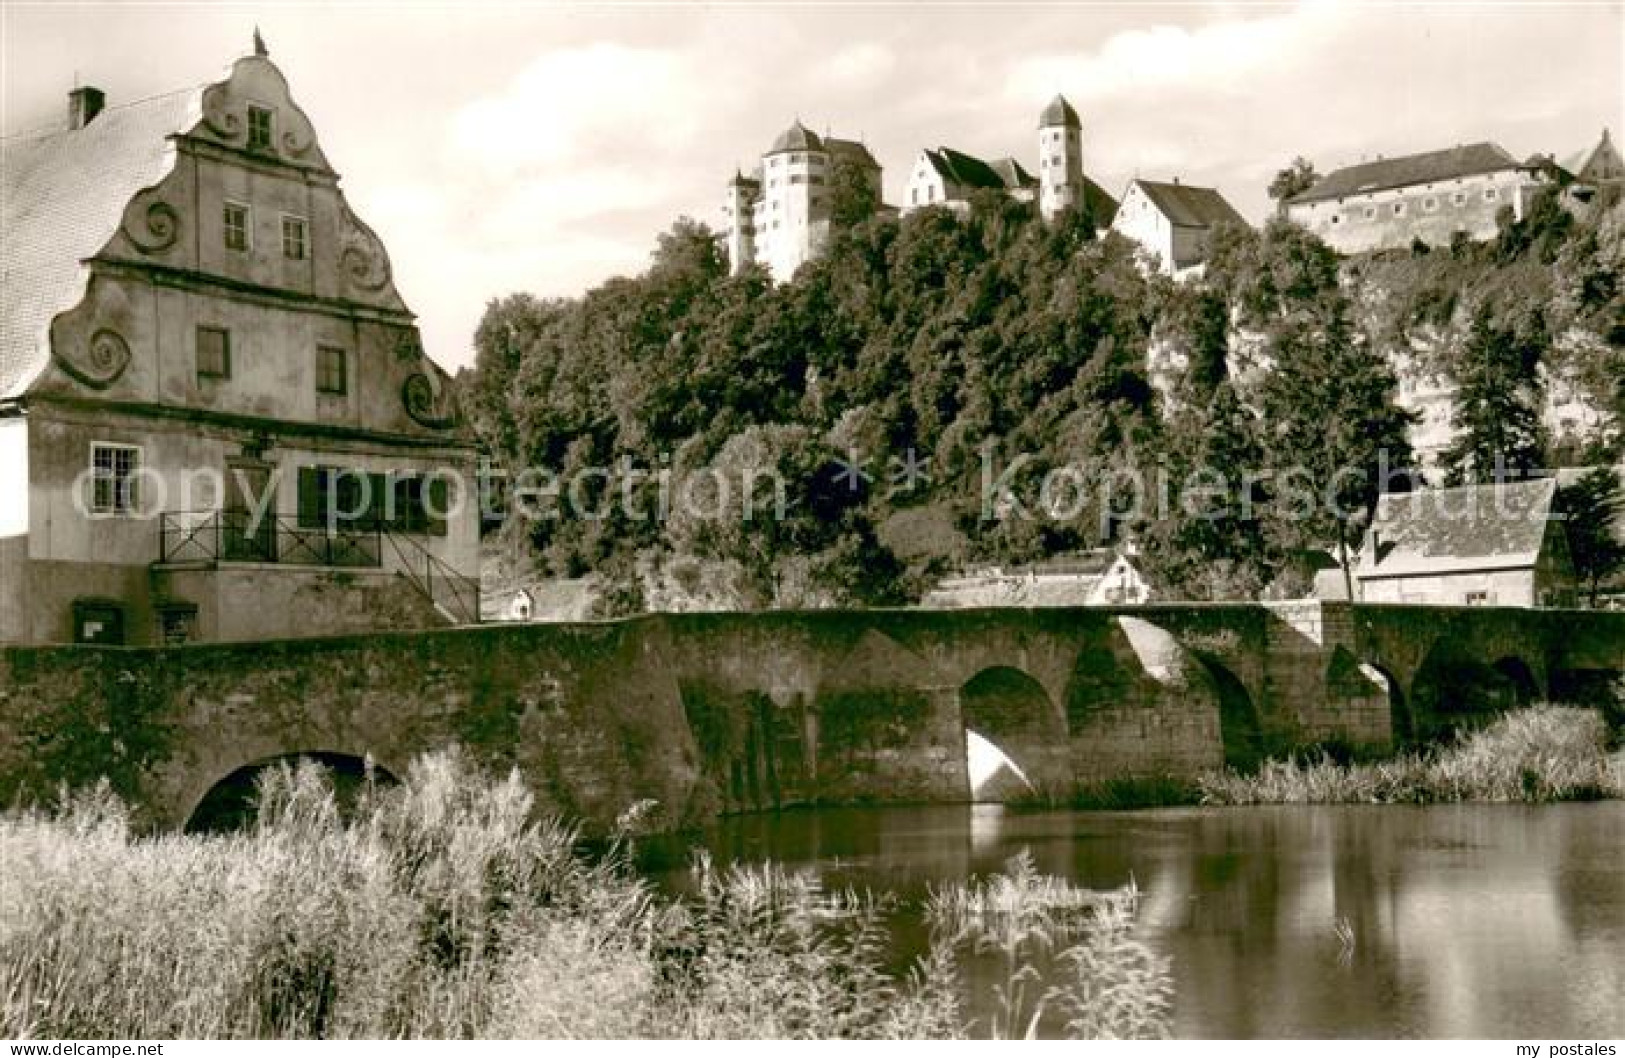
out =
column 1067, row 956
column 440, row 908
column 1546, row 753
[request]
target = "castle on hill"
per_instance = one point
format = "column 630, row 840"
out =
column 779, row 215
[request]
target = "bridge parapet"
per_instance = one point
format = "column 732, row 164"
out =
column 710, row 712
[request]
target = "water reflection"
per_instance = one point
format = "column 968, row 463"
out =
column 1476, row 921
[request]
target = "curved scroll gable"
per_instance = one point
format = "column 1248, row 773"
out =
column 426, row 395
column 159, row 228
column 100, row 362
column 255, row 80
column 363, row 261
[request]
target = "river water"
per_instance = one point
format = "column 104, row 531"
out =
column 1501, row 921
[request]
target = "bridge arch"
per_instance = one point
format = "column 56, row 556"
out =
column 1520, row 677
column 231, row 803
column 1454, row 688
column 1401, row 725
column 1008, row 709
column 1240, row 728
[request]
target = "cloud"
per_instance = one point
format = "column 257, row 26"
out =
column 567, row 101
column 858, row 66
column 1218, row 55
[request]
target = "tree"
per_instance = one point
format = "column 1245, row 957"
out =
column 1334, row 436
column 853, row 197
column 1296, row 178
column 1498, row 404
column 1591, row 508
column 1210, row 543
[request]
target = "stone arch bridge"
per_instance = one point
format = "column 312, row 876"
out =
column 722, row 712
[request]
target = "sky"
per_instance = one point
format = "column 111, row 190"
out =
column 500, row 148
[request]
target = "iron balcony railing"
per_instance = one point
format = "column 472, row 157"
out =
column 240, row 536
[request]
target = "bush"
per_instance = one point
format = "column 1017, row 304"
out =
column 439, row 908
column 1541, row 754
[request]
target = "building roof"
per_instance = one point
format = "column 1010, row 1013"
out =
column 1427, row 168
column 1102, row 206
column 966, row 170
column 1459, row 530
column 1603, row 152
column 741, row 180
column 1059, row 112
column 64, row 194
column 1186, row 206
column 1012, row 173
column 850, row 151
column 797, row 137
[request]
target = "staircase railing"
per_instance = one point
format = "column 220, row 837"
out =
column 453, row 594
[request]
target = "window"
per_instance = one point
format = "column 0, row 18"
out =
column 259, row 128
column 1458, row 199
column 177, row 623
column 1490, row 194
column 401, row 501
column 331, row 373
column 1371, row 213
column 1337, row 218
column 1430, row 204
column 1477, row 598
column 1399, row 209
column 213, row 353
column 234, row 216
column 114, row 477
column 293, row 237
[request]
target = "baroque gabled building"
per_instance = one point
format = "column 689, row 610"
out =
column 217, row 420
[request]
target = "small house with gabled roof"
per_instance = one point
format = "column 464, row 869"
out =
column 1599, row 165
column 217, row 420
column 1475, row 545
column 1173, row 222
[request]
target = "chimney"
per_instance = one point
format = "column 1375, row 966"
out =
column 83, row 106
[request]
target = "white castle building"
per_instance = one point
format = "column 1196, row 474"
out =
column 779, row 216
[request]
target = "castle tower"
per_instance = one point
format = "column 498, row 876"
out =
column 739, row 221
column 794, row 171
column 1060, row 158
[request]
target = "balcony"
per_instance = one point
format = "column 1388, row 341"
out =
column 211, row 537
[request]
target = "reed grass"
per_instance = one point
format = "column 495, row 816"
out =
column 1067, row 956
column 1544, row 753
column 443, row 907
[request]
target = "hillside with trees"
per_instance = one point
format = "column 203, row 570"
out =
column 950, row 389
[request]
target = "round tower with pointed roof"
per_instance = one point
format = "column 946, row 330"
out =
column 794, row 201
column 1060, row 158
column 739, row 220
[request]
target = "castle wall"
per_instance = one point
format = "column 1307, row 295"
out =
column 1433, row 212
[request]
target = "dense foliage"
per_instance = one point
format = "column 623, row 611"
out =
column 444, row 908
column 956, row 387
